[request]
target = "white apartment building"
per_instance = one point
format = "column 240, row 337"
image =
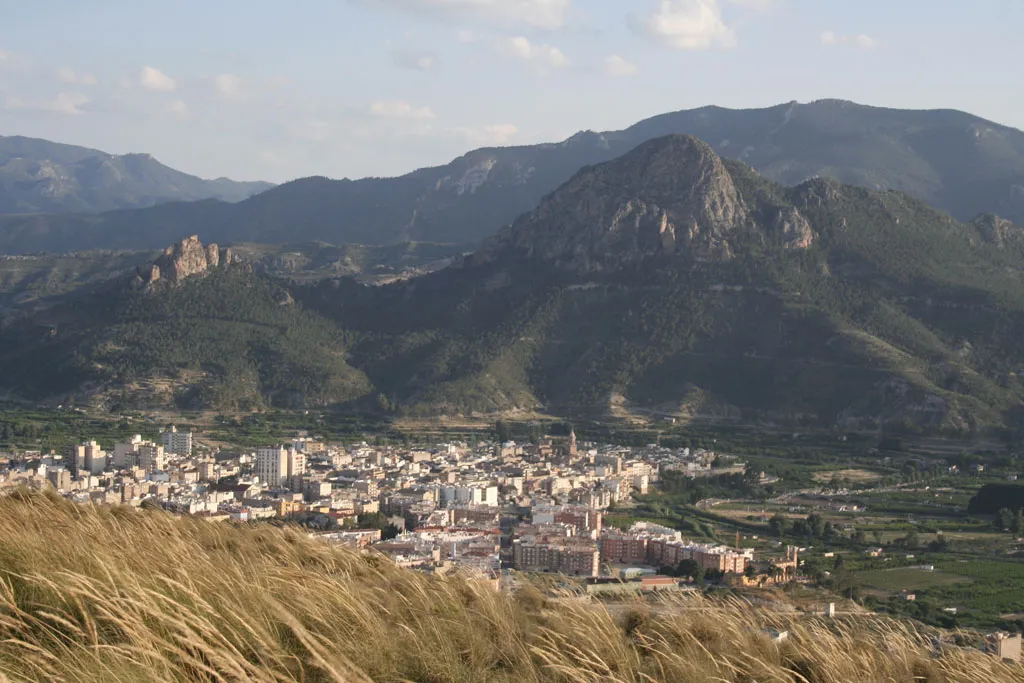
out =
column 125, row 454
column 473, row 495
column 152, row 457
column 138, row 453
column 88, row 458
column 277, row 465
column 177, row 442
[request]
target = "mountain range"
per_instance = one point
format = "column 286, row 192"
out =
column 954, row 161
column 668, row 282
column 39, row 176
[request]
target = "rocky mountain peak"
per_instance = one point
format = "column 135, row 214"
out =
column 671, row 194
column 587, row 138
column 186, row 259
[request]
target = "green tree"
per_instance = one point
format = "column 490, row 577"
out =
column 1004, row 519
column 815, row 525
column 690, row 568
column 778, row 525
column 502, row 431
column 535, row 433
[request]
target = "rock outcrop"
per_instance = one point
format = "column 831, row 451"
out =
column 672, row 195
column 996, row 230
column 186, row 259
column 796, row 230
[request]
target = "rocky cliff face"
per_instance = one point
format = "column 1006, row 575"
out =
column 186, row 259
column 796, row 230
column 996, row 230
column 672, row 196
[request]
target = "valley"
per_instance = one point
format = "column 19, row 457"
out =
column 511, row 341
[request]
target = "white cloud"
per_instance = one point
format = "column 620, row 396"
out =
column 178, row 108
column 686, row 25
column 228, row 85
column 541, row 55
column 271, row 157
column 153, row 79
column 484, row 136
column 618, row 67
column 69, row 103
column 545, row 14
column 414, row 60
column 311, row 131
column 14, row 61
column 66, row 75
column 277, row 81
column 66, row 103
column 397, row 109
column 860, row 40
column 753, row 4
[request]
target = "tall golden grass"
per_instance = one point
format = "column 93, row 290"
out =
column 91, row 594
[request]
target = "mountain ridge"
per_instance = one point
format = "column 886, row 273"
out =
column 955, row 161
column 41, row 176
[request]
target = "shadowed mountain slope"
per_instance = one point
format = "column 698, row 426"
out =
column 952, row 160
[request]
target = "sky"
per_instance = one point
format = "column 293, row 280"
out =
column 273, row 90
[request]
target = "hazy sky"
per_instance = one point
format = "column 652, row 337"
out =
column 260, row 89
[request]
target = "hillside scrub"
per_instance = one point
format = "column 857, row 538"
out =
column 91, row 594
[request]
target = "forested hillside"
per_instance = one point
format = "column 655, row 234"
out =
column 666, row 283
column 231, row 339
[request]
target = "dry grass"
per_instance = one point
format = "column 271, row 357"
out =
column 113, row 595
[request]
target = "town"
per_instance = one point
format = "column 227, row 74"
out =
column 495, row 512
column 452, row 508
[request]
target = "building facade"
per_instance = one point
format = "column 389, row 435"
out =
column 662, row 551
column 179, row 443
column 569, row 556
column 278, row 466
column 87, row 458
